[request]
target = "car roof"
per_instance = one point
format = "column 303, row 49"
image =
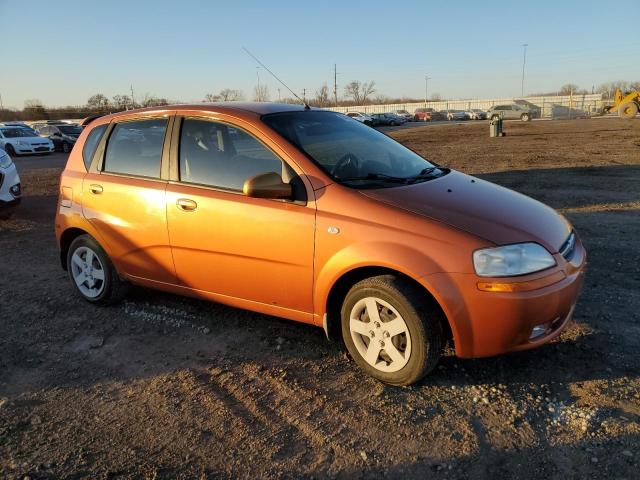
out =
column 256, row 108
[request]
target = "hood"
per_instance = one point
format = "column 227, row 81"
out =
column 481, row 208
column 34, row 140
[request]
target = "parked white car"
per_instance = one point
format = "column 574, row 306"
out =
column 20, row 141
column 9, row 185
column 361, row 117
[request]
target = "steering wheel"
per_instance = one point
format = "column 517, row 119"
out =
column 348, row 162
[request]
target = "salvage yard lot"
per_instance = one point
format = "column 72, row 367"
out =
column 168, row 387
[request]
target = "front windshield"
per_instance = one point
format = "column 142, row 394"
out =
column 349, row 151
column 70, row 129
column 16, row 132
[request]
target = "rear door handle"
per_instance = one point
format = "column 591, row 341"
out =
column 186, row 204
column 97, row 189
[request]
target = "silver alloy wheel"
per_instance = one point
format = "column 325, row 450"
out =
column 87, row 271
column 380, row 334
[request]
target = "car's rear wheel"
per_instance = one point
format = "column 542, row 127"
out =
column 10, row 150
column 524, row 117
column 391, row 329
column 93, row 275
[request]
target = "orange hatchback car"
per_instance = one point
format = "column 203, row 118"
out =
column 309, row 215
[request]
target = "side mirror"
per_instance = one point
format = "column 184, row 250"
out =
column 267, row 185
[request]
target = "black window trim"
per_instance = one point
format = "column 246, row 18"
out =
column 174, row 175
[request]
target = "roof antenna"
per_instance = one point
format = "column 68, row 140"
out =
column 306, row 105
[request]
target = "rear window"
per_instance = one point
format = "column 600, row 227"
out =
column 91, row 143
column 135, row 148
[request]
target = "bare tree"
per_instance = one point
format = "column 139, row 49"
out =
column 153, row 101
column 230, row 95
column 225, row 95
column 98, row 101
column 569, row 88
column 359, row 91
column 322, row 96
column 261, row 93
column 121, row 101
column 33, row 103
column 436, row 97
column 609, row 88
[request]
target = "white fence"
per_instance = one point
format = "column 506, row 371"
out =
column 549, row 106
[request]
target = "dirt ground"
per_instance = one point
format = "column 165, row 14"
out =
column 168, row 387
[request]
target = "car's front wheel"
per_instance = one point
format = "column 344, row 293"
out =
column 391, row 329
column 93, row 275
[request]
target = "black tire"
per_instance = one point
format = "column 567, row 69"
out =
column 525, row 117
column 66, row 147
column 115, row 289
column 628, row 110
column 422, row 317
column 10, row 150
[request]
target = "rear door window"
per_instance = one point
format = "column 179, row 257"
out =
column 91, row 143
column 135, row 148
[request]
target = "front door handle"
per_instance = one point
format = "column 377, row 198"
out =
column 186, row 204
column 97, row 189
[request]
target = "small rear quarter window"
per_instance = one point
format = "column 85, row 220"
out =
column 91, row 143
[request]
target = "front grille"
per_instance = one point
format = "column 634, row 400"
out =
column 567, row 248
column 41, row 149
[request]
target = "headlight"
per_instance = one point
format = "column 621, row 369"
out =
column 509, row 260
column 5, row 160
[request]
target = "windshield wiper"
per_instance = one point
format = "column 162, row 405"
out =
column 429, row 172
column 376, row 176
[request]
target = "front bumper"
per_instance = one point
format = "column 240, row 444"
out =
column 24, row 149
column 486, row 323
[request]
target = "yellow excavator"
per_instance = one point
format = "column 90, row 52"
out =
column 627, row 105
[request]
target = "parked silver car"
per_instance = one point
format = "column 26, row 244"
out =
column 512, row 111
column 457, row 115
column 477, row 114
column 404, row 114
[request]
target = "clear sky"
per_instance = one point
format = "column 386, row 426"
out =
column 61, row 52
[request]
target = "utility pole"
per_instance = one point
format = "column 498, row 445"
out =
column 304, row 95
column 278, row 94
column 1, row 105
column 524, row 61
column 133, row 102
column 426, row 88
column 335, row 83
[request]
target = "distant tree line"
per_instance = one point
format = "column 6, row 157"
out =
column 355, row 92
column 607, row 90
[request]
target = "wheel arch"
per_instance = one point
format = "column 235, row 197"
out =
column 66, row 239
column 338, row 290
